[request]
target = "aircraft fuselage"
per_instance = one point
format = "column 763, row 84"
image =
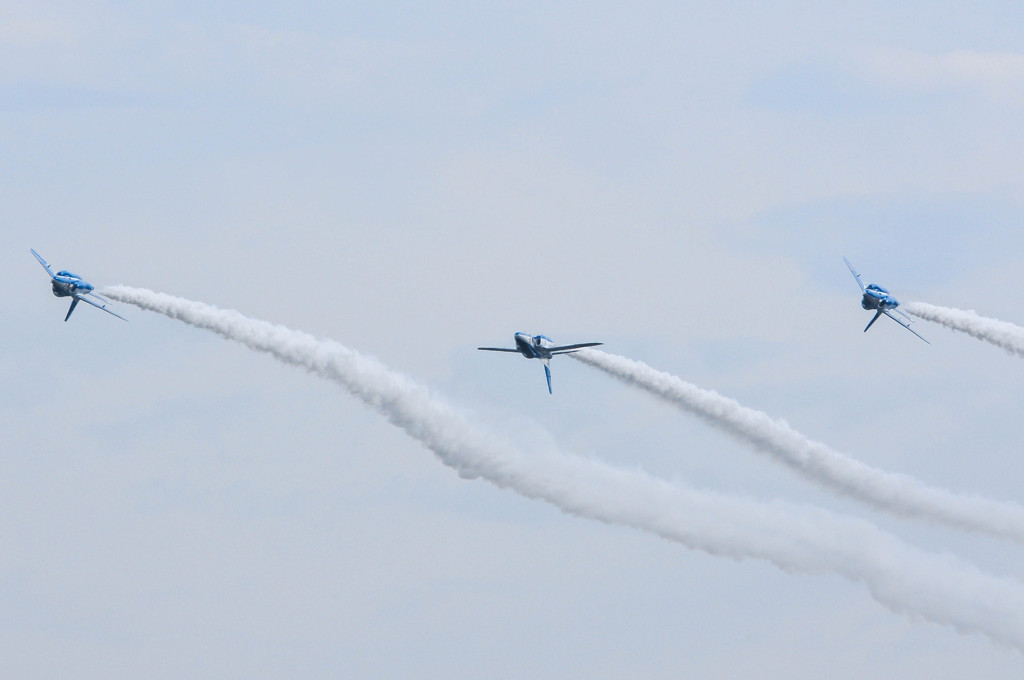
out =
column 66, row 284
column 534, row 346
column 876, row 297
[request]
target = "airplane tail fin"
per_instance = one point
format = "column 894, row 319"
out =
column 874, row 319
column 547, row 374
column 74, row 303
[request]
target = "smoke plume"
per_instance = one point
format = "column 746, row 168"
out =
column 940, row 588
column 999, row 333
column 896, row 493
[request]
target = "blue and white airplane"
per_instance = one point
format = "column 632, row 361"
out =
column 540, row 347
column 879, row 299
column 66, row 284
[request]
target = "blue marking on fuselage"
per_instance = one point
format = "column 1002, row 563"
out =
column 876, row 297
column 524, row 343
column 64, row 285
column 532, row 346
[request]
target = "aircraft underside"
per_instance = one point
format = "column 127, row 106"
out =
column 871, row 302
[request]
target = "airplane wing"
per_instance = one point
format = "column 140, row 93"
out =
column 905, row 317
column 905, row 324
column 566, row 349
column 498, row 349
column 97, row 305
column 855, row 274
column 42, row 262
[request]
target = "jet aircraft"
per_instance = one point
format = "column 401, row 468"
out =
column 540, row 347
column 66, row 284
column 879, row 299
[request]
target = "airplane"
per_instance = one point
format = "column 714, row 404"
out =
column 879, row 299
column 540, row 347
column 66, row 284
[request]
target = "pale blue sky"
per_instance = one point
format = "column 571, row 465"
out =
column 677, row 180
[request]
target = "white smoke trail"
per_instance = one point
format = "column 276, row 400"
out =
column 940, row 588
column 892, row 492
column 1000, row 333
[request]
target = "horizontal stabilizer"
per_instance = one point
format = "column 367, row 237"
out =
column 94, row 304
column 902, row 315
column 905, row 324
column 565, row 349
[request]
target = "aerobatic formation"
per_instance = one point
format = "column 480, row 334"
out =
column 797, row 538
